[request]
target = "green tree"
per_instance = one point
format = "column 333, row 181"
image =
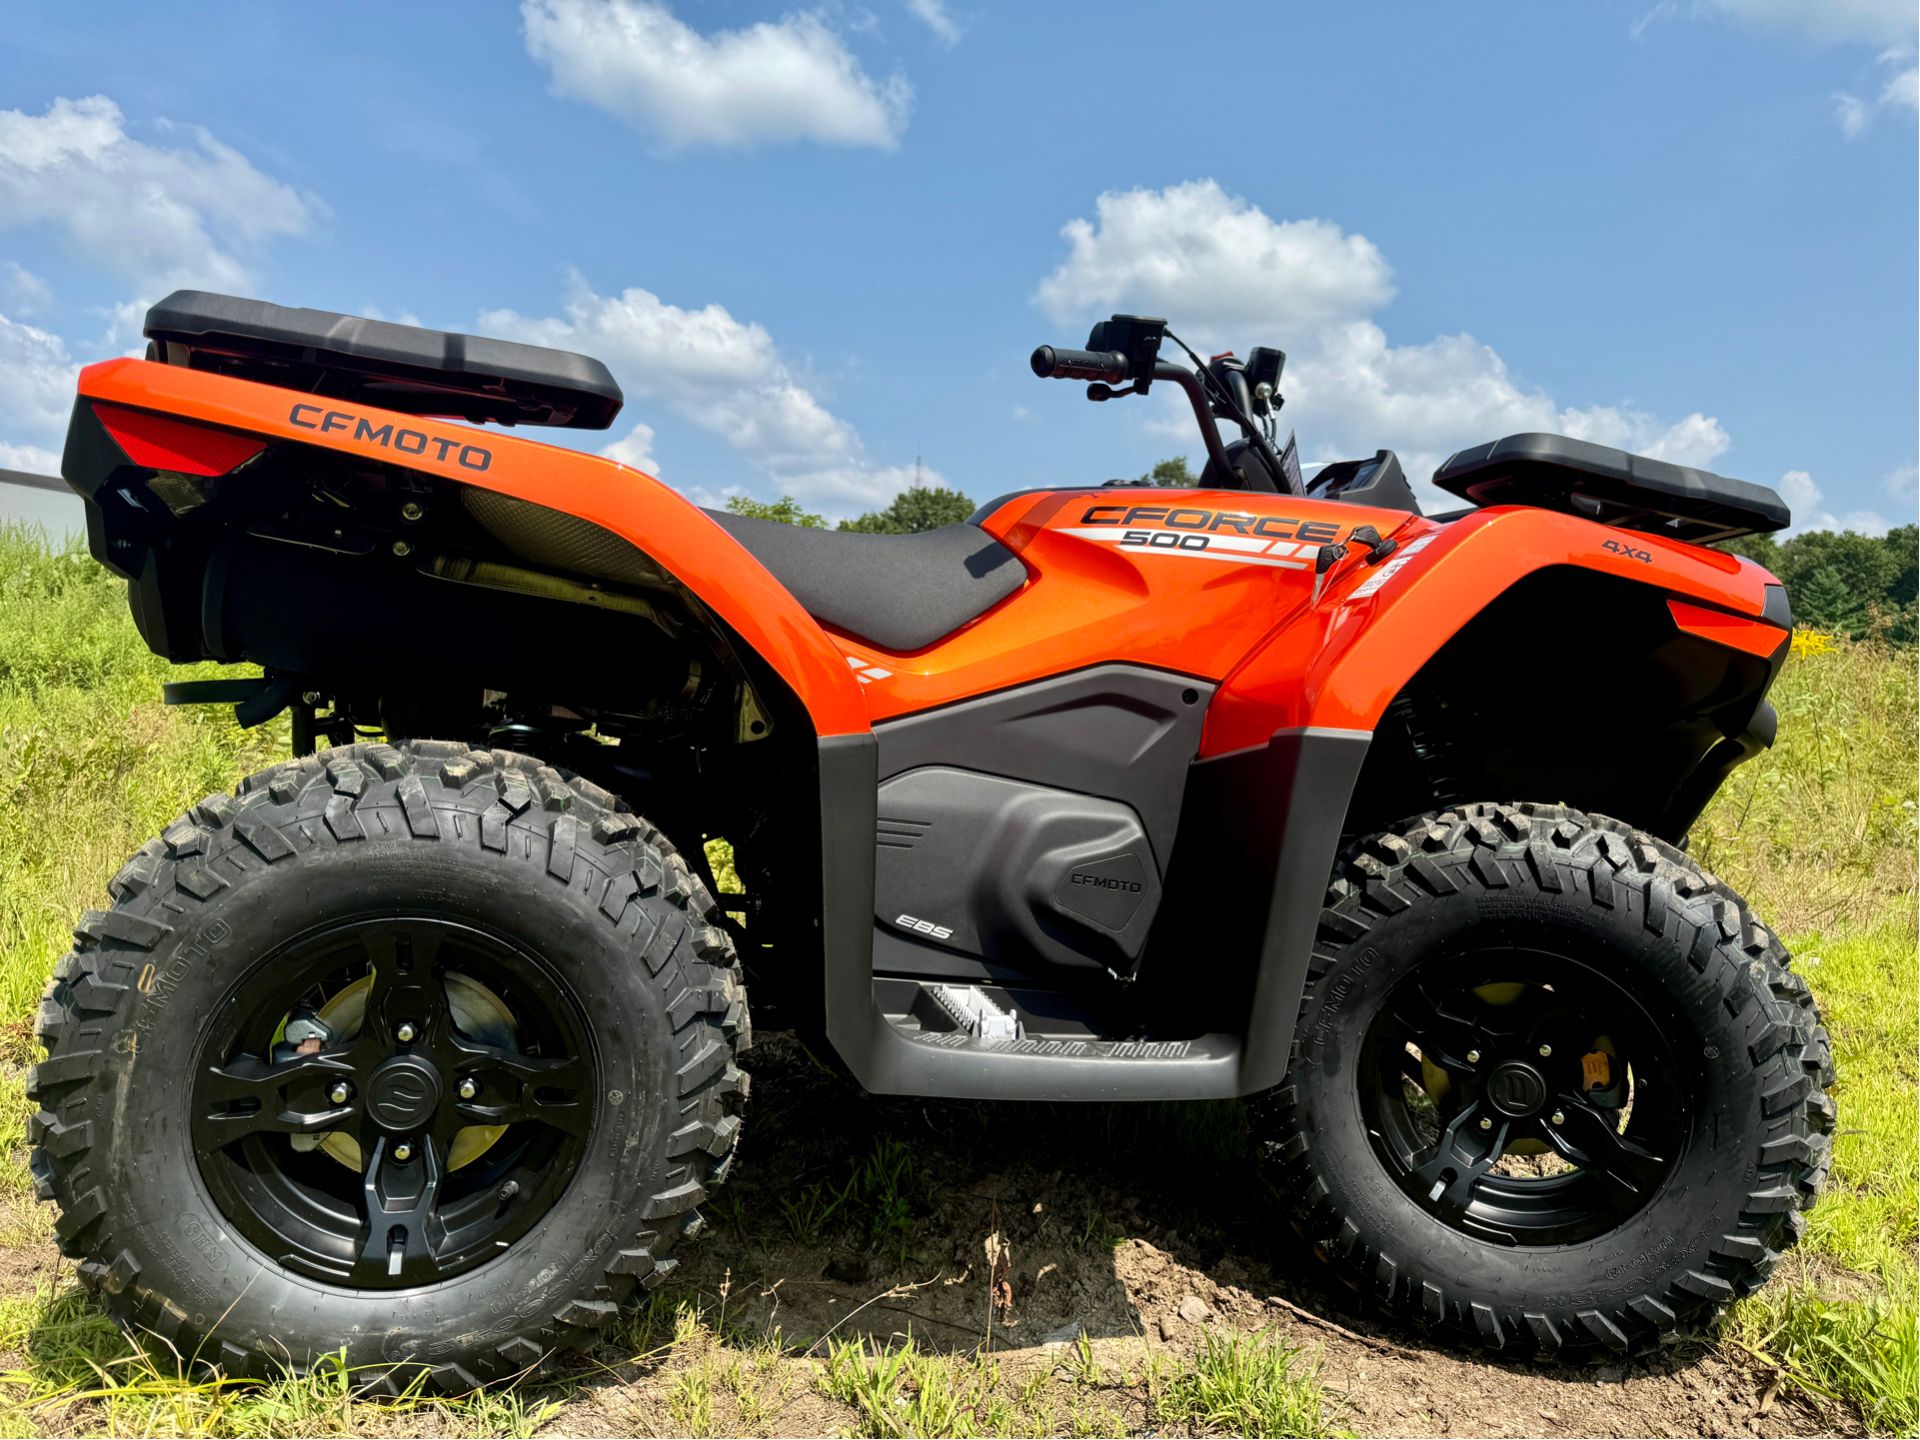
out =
column 786, row 510
column 1171, row 473
column 1903, row 595
column 1851, row 584
column 1838, row 581
column 915, row 509
column 1763, row 550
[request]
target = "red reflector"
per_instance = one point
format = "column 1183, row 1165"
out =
column 1736, row 631
column 160, row 442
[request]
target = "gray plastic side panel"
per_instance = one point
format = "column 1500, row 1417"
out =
column 1304, row 779
column 1285, row 803
column 1122, row 732
column 986, row 858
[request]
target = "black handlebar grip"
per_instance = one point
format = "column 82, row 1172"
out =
column 1052, row 364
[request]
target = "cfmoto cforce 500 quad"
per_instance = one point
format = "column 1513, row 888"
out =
column 426, row 1042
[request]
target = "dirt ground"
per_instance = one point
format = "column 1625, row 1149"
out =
column 1139, row 1227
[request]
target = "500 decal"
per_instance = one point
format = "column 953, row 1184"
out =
column 407, row 442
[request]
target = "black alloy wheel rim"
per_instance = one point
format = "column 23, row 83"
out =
column 402, row 1085
column 1490, row 1057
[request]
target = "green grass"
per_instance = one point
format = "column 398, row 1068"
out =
column 82, row 1374
column 92, row 765
column 1819, row 835
column 1248, row 1385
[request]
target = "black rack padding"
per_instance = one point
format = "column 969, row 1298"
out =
column 1557, row 472
column 396, row 367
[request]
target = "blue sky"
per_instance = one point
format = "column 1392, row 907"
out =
column 817, row 244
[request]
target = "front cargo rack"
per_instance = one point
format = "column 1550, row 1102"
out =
column 1631, row 492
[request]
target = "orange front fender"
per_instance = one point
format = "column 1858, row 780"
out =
column 1340, row 665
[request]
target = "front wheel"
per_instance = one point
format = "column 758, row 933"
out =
column 1554, row 1089
column 415, row 1053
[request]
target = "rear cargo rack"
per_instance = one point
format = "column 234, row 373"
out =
column 396, row 367
column 1631, row 492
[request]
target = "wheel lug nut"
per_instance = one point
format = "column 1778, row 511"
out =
column 403, row 1152
column 468, row 1089
column 405, row 1032
column 339, row 1093
column 1559, row 1117
column 1485, row 1123
column 1545, row 1051
column 1473, row 1057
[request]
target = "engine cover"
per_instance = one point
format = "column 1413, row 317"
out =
column 1012, row 872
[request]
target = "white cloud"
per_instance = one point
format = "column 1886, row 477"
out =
column 36, row 384
column 723, row 374
column 23, row 291
column 1213, row 262
column 1698, row 440
column 933, row 14
column 1902, row 90
column 1902, row 482
column 158, row 216
column 1852, row 114
column 635, row 448
column 1874, row 22
column 34, row 459
column 1227, row 274
column 1804, row 496
column 1899, row 91
column 793, row 79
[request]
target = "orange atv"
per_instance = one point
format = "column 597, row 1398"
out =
column 425, row 1043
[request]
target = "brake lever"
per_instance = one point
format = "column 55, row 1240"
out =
column 1099, row 390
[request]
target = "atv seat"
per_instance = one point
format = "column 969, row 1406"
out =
column 900, row 592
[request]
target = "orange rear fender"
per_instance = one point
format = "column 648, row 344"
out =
column 636, row 507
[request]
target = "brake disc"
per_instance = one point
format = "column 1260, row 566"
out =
column 478, row 1014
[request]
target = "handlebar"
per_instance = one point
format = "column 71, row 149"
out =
column 1051, row 363
column 1202, row 410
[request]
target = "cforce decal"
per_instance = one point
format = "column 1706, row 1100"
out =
column 1192, row 531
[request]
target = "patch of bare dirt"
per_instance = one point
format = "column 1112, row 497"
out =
column 1130, row 1225
column 1017, row 1229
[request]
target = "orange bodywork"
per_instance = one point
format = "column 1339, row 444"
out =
column 1218, row 585
column 1244, row 620
column 616, row 497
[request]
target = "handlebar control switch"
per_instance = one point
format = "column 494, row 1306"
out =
column 1135, row 336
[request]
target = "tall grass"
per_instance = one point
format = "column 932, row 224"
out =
column 91, row 763
column 1819, row 833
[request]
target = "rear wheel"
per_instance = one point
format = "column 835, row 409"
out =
column 1554, row 1089
column 416, row 1051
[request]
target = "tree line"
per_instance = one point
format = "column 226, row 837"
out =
column 1848, row 584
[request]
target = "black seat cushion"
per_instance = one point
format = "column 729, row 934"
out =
column 902, row 592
